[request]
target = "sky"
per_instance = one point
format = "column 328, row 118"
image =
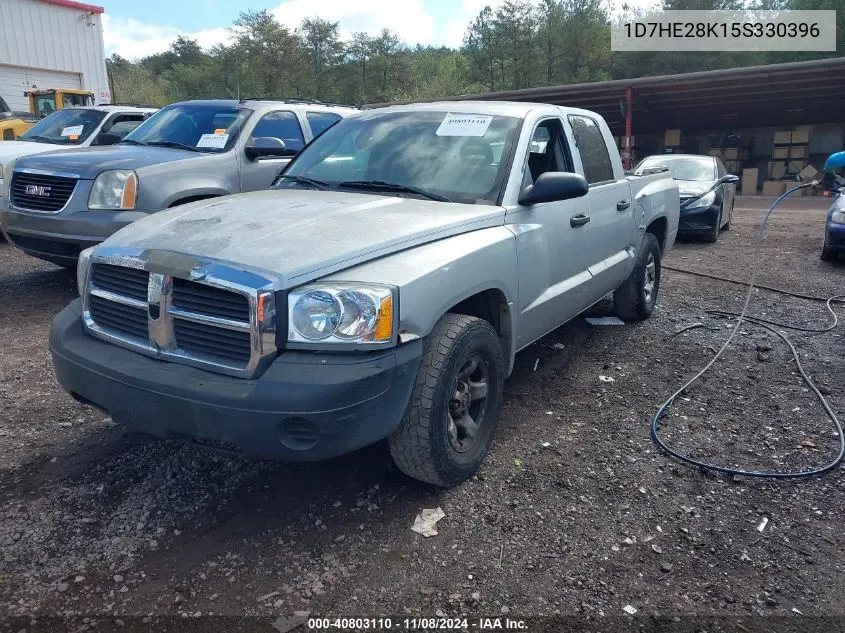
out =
column 135, row 29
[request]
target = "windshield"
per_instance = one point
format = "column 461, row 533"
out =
column 68, row 127
column 681, row 167
column 197, row 127
column 457, row 157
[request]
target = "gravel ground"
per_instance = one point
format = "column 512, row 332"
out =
column 573, row 515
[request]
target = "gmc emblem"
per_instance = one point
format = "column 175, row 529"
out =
column 37, row 190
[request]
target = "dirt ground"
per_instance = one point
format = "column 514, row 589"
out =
column 574, row 516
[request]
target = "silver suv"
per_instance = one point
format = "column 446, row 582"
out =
column 55, row 205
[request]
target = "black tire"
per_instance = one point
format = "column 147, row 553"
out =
column 427, row 444
column 631, row 299
column 713, row 235
column 829, row 254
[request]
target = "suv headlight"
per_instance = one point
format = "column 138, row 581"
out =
column 336, row 314
column 83, row 264
column 838, row 217
column 703, row 201
column 114, row 189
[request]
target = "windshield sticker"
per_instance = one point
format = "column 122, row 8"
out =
column 74, row 137
column 73, row 130
column 464, row 125
column 216, row 141
column 221, row 130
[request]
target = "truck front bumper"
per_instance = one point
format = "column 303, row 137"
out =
column 60, row 237
column 306, row 406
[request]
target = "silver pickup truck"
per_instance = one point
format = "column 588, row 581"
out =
column 380, row 289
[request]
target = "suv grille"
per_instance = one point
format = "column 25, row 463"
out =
column 193, row 320
column 40, row 192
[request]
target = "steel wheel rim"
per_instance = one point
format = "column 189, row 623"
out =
column 467, row 407
column 650, row 278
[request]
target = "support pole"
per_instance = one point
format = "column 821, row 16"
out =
column 628, row 126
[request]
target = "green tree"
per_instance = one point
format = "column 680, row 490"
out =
column 323, row 48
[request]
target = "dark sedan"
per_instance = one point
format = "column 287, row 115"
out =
column 707, row 191
column 834, row 235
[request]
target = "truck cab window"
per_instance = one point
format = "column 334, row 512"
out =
column 593, row 149
column 545, row 153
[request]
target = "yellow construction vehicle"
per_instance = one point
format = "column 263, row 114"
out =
column 47, row 101
column 42, row 102
column 13, row 124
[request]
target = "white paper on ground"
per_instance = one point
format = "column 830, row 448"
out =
column 464, row 125
column 426, row 520
column 604, row 321
column 215, row 141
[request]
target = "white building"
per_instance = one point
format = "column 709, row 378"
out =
column 51, row 44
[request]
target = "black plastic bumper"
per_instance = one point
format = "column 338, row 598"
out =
column 306, row 406
column 698, row 221
column 836, row 236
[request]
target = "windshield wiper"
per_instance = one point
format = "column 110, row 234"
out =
column 38, row 139
column 173, row 144
column 317, row 184
column 380, row 185
column 129, row 141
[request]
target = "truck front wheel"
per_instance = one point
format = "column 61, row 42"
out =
column 454, row 405
column 635, row 299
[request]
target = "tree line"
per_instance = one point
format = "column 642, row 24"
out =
column 520, row 44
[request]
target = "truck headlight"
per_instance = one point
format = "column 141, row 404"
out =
column 838, row 217
column 703, row 201
column 362, row 314
column 83, row 264
column 114, row 189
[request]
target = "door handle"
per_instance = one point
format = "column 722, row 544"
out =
column 622, row 205
column 578, row 220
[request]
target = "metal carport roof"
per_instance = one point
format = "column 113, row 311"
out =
column 754, row 96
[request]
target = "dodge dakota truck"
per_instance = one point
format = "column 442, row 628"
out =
column 54, row 205
column 380, row 289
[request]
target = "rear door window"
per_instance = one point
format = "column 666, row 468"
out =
column 593, row 149
column 282, row 125
column 321, row 121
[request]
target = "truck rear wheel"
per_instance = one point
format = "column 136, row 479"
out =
column 635, row 299
column 454, row 405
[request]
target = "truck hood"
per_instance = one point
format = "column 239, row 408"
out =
column 10, row 150
column 298, row 236
column 88, row 162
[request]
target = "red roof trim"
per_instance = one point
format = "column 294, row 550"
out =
column 70, row 4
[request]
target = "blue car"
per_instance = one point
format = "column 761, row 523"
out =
column 834, row 234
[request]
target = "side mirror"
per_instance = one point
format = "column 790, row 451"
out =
column 728, row 179
column 267, row 146
column 106, row 138
column 554, row 186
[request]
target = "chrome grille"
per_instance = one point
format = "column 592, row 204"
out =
column 213, row 342
column 130, row 282
column 126, row 320
column 189, row 295
column 41, row 192
column 224, row 321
